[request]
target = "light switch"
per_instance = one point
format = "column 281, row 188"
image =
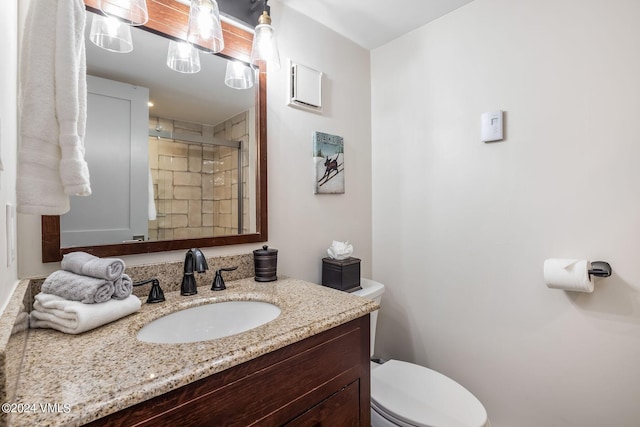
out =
column 491, row 128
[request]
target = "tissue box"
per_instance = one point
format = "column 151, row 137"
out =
column 342, row 274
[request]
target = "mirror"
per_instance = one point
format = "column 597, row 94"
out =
column 244, row 216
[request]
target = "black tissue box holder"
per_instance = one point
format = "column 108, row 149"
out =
column 341, row 274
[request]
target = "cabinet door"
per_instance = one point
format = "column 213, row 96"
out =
column 340, row 409
column 117, row 128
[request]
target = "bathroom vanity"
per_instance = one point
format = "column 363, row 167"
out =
column 309, row 364
column 322, row 378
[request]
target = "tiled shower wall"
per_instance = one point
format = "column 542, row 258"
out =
column 196, row 185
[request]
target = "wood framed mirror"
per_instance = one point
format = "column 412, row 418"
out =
column 169, row 19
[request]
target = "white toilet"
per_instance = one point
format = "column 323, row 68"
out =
column 408, row 395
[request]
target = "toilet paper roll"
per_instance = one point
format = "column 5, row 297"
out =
column 568, row 274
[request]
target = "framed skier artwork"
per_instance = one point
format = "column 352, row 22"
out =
column 328, row 156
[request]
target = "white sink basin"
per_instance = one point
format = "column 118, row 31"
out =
column 208, row 322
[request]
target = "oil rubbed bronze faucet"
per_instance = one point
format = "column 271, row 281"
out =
column 156, row 294
column 194, row 260
column 218, row 281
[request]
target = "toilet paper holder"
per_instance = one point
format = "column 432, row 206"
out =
column 600, row 269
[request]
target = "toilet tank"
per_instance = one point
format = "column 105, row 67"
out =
column 372, row 290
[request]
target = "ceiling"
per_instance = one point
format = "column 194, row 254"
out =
column 372, row 23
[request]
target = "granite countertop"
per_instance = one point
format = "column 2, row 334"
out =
column 107, row 369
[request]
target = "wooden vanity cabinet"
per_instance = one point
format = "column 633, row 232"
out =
column 322, row 380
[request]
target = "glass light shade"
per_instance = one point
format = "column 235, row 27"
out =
column 205, row 29
column 111, row 34
column 238, row 75
column 132, row 12
column 183, row 58
column 265, row 48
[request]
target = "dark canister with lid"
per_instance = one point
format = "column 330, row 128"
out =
column 265, row 261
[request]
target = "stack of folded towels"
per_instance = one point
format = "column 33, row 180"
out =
column 88, row 292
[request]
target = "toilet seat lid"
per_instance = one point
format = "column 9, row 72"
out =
column 422, row 397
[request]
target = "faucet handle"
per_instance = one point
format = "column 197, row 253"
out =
column 218, row 281
column 156, row 294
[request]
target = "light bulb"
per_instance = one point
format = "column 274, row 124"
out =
column 183, row 58
column 205, row 29
column 133, row 12
column 205, row 21
column 265, row 48
column 111, row 34
column 238, row 75
column 112, row 26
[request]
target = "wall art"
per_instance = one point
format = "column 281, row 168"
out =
column 328, row 156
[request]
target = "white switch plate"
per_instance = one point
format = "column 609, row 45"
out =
column 491, row 129
column 11, row 234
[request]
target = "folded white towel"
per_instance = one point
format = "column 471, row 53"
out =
column 75, row 287
column 90, row 265
column 123, row 287
column 73, row 317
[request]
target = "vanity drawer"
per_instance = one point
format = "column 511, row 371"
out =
column 340, row 409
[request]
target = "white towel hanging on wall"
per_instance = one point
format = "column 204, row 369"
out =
column 51, row 162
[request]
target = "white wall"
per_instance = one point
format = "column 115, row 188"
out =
column 461, row 228
column 8, row 137
column 301, row 224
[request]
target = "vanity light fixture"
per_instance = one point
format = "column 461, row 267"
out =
column 265, row 47
column 131, row 12
column 110, row 34
column 204, row 26
column 183, row 58
column 238, row 75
